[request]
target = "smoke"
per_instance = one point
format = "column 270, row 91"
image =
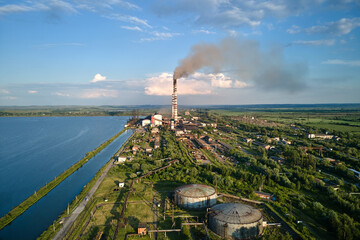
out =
column 266, row 70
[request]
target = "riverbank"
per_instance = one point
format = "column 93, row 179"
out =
column 22, row 207
column 65, row 216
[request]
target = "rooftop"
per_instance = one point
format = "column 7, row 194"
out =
column 195, row 190
column 235, row 213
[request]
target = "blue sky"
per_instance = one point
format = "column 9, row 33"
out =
column 88, row 52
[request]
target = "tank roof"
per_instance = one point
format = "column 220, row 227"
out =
column 235, row 213
column 195, row 190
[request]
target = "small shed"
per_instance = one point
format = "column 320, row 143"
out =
column 142, row 229
column 121, row 184
column 265, row 195
column 121, row 159
column 154, row 130
column 148, row 150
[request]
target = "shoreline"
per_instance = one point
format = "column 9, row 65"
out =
column 49, row 233
column 41, row 192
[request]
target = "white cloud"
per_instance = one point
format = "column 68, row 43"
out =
column 226, row 14
column 61, row 94
column 161, row 85
column 240, row 84
column 97, row 93
column 233, row 33
column 123, row 4
column 87, row 93
column 353, row 63
column 204, row 31
column 325, row 42
column 13, row 8
column 62, row 6
column 32, row 92
column 9, row 98
column 134, row 28
column 195, row 84
column 159, row 36
column 294, row 29
column 338, row 28
column 341, row 27
column 66, row 6
column 104, row 5
column 129, row 19
column 219, row 80
column 4, row 91
column 98, row 78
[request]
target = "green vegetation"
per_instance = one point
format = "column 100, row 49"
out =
column 309, row 178
column 47, row 111
column 22, row 207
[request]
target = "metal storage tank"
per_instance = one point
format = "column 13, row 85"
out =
column 235, row 221
column 195, row 196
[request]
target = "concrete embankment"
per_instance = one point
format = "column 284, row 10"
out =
column 22, row 207
column 69, row 221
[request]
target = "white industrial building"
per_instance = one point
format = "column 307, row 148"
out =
column 157, row 120
column 145, row 122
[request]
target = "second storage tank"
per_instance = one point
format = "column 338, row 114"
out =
column 235, row 221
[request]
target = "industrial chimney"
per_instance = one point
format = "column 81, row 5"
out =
column 174, row 114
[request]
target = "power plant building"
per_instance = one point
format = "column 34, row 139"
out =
column 195, row 196
column 235, row 221
column 157, row 120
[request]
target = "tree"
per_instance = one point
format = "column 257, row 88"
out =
column 135, row 166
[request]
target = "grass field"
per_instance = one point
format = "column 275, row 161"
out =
column 330, row 119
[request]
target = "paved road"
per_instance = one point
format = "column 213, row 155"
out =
column 71, row 219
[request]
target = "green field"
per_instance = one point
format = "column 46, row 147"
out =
column 329, row 119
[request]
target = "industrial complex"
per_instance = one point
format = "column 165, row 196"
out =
column 187, row 175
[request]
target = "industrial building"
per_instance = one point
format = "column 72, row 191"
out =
column 195, row 196
column 202, row 144
column 157, row 120
column 152, row 120
column 145, row 122
column 235, row 221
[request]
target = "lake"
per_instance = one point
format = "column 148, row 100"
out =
column 35, row 150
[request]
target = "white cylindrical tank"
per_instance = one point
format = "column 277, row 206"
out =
column 235, row 221
column 195, row 196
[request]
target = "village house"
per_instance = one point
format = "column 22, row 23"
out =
column 265, row 195
column 263, row 145
column 148, row 150
column 142, row 229
column 154, row 131
column 247, row 140
column 135, row 149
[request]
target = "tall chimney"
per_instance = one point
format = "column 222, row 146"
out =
column 174, row 114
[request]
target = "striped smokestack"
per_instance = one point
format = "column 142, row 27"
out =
column 174, row 114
